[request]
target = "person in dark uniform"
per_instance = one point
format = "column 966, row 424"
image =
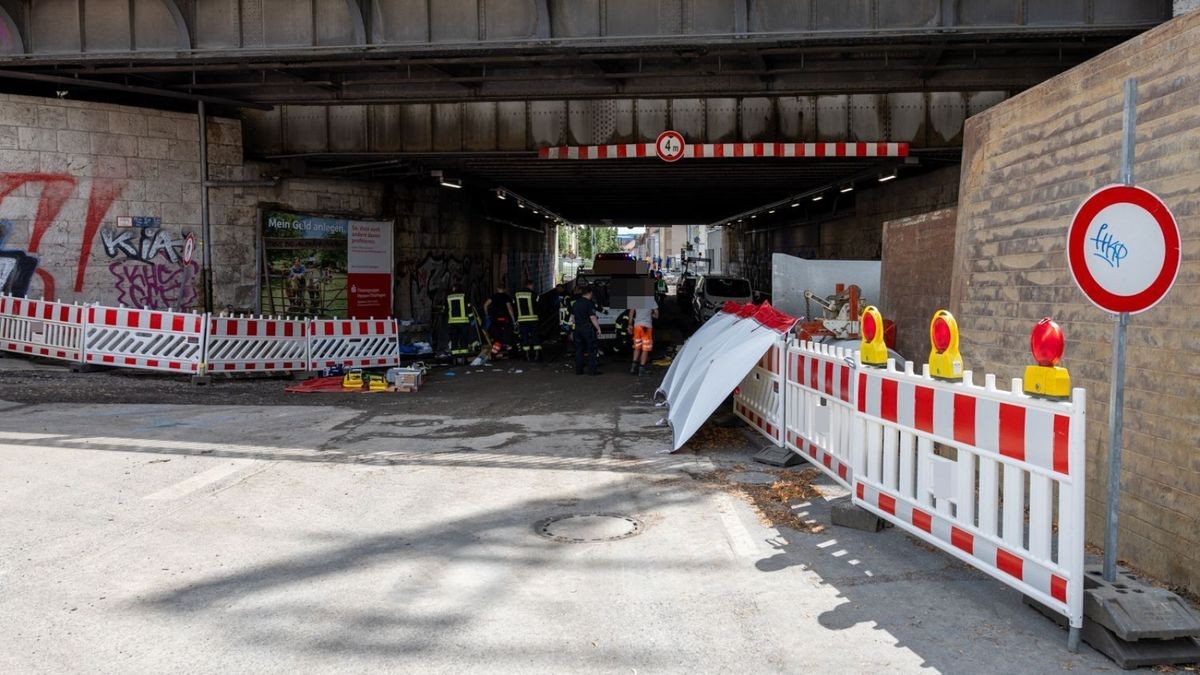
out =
column 587, row 332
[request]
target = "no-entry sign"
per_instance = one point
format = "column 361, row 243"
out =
column 669, row 146
column 1123, row 249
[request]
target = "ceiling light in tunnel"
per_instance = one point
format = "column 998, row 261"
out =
column 848, row 187
column 753, row 216
column 771, row 211
column 885, row 177
column 535, row 210
column 818, row 198
column 795, row 204
column 521, row 205
column 455, row 183
column 500, row 194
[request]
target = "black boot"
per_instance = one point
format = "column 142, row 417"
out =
column 633, row 368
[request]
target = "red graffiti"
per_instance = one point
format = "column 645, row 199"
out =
column 104, row 193
column 56, row 189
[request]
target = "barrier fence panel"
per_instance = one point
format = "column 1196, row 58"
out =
column 821, row 404
column 256, row 344
column 144, row 338
column 353, row 342
column 993, row 477
column 41, row 328
column 759, row 398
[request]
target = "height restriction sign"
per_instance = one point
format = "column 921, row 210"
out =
column 1123, row 249
column 669, row 146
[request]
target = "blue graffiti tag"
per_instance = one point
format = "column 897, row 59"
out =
column 1109, row 248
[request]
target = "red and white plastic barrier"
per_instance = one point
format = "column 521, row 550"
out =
column 41, row 328
column 759, row 399
column 820, row 407
column 358, row 343
column 720, row 150
column 256, row 344
column 144, row 338
column 993, row 477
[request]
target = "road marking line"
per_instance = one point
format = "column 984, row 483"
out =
column 199, row 481
column 23, row 436
column 739, row 537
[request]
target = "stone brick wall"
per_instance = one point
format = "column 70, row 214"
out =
column 70, row 169
column 1029, row 162
column 853, row 235
column 916, row 276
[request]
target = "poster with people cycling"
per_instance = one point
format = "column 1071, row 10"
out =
column 325, row 267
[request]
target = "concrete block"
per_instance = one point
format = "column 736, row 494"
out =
column 109, row 167
column 54, row 162
column 145, row 169
column 73, row 141
column 185, row 150
column 131, row 123
column 86, row 119
column 181, row 171
column 20, row 161
column 9, row 138
column 114, row 144
column 154, row 148
column 52, row 117
column 32, row 138
column 160, row 127
column 1135, row 610
column 18, row 114
column 846, row 514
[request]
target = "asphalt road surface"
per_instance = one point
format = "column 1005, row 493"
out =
column 154, row 526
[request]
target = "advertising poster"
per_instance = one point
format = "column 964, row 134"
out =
column 369, row 267
column 325, row 267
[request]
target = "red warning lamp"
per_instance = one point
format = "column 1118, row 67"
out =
column 942, row 334
column 945, row 361
column 1047, row 379
column 1047, row 342
column 869, row 328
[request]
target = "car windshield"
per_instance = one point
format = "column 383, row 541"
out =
column 727, row 288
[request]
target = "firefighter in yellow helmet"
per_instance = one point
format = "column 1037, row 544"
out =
column 527, row 322
column 464, row 336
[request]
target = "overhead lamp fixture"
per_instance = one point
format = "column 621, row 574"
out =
column 535, row 210
column 891, row 175
column 818, row 197
column 771, row 211
column 520, row 205
column 753, row 216
column 500, row 194
column 795, row 204
column 848, row 187
column 455, row 183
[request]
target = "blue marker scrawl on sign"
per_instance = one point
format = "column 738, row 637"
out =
column 1109, row 248
column 147, row 221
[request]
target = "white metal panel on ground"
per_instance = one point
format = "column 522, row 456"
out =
column 256, row 344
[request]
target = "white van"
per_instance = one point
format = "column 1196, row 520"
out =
column 714, row 290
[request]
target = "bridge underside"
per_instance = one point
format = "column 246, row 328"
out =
column 399, row 88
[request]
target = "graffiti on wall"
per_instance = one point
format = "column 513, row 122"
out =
column 53, row 190
column 532, row 266
column 16, row 266
column 148, row 267
column 431, row 279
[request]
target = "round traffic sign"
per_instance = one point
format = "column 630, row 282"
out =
column 1123, row 249
column 189, row 249
column 669, row 146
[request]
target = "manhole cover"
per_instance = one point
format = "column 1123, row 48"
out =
column 586, row 528
column 753, row 478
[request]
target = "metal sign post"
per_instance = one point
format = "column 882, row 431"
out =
column 1116, row 396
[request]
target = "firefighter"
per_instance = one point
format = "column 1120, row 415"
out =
column 660, row 287
column 624, row 333
column 464, row 337
column 527, row 323
column 500, row 315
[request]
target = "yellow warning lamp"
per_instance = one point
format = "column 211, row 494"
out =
column 1047, row 379
column 945, row 362
column 872, row 351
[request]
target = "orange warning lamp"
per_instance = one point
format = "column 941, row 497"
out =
column 872, row 350
column 1047, row 379
column 945, row 362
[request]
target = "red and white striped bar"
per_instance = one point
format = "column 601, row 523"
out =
column 256, row 344
column 820, row 407
column 994, row 477
column 144, row 338
column 41, row 328
column 729, row 150
column 357, row 343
